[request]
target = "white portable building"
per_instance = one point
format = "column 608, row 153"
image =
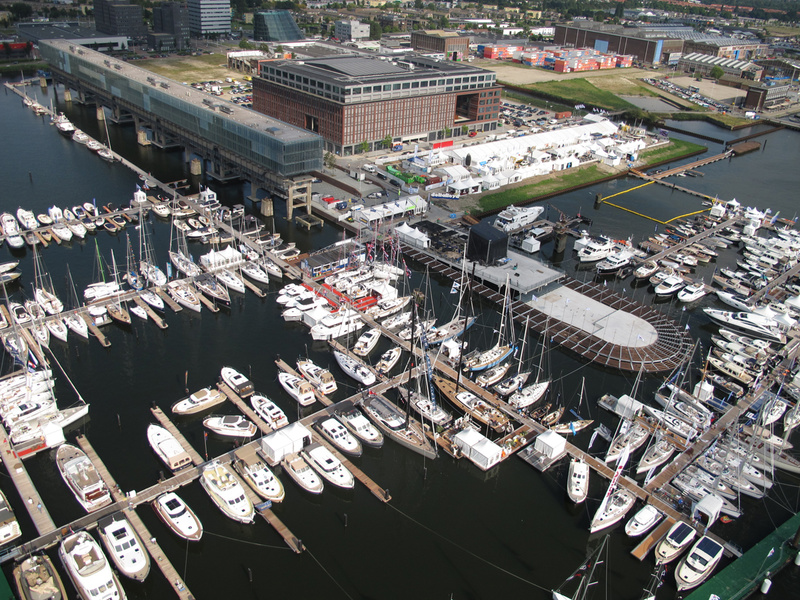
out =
column 479, row 449
column 550, row 444
column 292, row 438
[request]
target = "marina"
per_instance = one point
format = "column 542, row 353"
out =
column 570, row 330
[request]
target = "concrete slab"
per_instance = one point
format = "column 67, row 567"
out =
column 609, row 324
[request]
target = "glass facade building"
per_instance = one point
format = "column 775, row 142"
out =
column 276, row 26
column 271, row 144
column 209, row 16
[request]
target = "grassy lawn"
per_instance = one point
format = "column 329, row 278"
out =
column 189, row 68
column 782, row 31
column 537, row 102
column 548, row 185
column 621, row 85
column 575, row 91
column 729, row 120
column 675, row 149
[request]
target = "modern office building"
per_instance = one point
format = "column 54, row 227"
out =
column 119, row 17
column 350, row 100
column 209, row 17
column 74, row 32
column 172, row 18
column 276, row 26
column 766, row 96
column 351, row 31
column 449, row 43
column 237, row 135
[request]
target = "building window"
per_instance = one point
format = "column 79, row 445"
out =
column 387, row 87
column 424, row 83
column 356, row 91
column 450, row 81
column 414, row 85
column 406, row 85
column 396, row 86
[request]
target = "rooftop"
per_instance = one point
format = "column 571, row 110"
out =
column 66, row 30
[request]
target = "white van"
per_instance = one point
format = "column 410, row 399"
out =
column 369, row 168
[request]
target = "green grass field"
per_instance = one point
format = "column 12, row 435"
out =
column 189, row 68
column 674, row 150
column 574, row 91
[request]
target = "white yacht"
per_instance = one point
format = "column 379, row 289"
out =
column 578, row 480
column 199, row 401
column 338, row 435
column 230, row 426
column 167, row 447
column 513, row 217
column 751, row 323
column 388, row 360
column 9, row 527
column 88, row 568
column 328, row 466
column 354, row 368
column 359, row 425
column 268, row 411
column 302, row 473
column 257, row 474
column 614, row 262
column 322, row 379
column 37, row 579
column 82, row 478
column 299, row 389
column 529, row 395
column 670, row 285
column 643, row 521
column 177, row 515
column 698, row 564
column 613, row 509
column 676, row 541
column 367, row 341
column 124, row 546
column 237, row 382
column 692, row 292
column 184, row 295
column 596, row 249
column 226, row 492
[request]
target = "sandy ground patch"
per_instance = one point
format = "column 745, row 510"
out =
column 708, row 88
column 190, row 69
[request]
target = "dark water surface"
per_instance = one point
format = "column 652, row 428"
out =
column 450, row 531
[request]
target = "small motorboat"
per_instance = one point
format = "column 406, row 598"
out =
column 578, row 480
column 230, row 426
column 676, row 541
column 338, row 435
column 258, row 475
column 299, row 389
column 168, row 448
column 268, row 411
column 302, row 474
column 237, row 382
column 124, row 546
column 199, row 401
column 328, row 466
column 388, row 360
column 643, row 521
column 177, row 515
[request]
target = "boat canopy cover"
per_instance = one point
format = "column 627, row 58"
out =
column 711, row 506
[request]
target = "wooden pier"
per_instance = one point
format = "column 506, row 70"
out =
column 95, row 330
column 116, row 491
column 156, row 318
column 27, row 491
column 159, row 558
column 652, row 538
column 252, row 287
column 710, row 232
column 168, row 299
column 207, row 303
column 322, row 398
column 167, row 424
column 291, row 540
column 242, row 406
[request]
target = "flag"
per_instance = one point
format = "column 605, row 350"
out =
column 687, row 327
column 145, row 186
column 454, row 289
column 771, row 552
column 407, row 270
column 572, row 427
column 138, row 189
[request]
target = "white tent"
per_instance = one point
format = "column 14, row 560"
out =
column 220, row 259
column 550, row 444
column 412, row 236
column 286, row 440
column 480, row 450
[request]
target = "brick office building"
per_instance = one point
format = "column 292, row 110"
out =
column 349, row 100
column 650, row 47
column 449, row 43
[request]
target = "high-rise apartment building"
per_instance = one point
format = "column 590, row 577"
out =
column 172, row 18
column 119, row 17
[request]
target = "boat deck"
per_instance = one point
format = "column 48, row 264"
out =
column 322, row 398
column 242, row 406
column 116, row 491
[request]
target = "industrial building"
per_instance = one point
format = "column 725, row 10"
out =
column 652, row 47
column 351, row 31
column 73, row 32
column 702, row 64
column 119, row 17
column 766, row 96
column 275, row 26
column 350, row 100
column 449, row 43
column 209, row 17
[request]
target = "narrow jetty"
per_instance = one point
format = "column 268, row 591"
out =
column 95, row 330
column 167, row 424
column 150, row 312
column 159, row 558
column 27, row 491
column 207, row 303
column 242, row 406
column 652, row 538
column 377, row 491
column 112, row 485
column 168, row 299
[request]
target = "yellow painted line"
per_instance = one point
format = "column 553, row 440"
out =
column 638, row 214
column 630, row 190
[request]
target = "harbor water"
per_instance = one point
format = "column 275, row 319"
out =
column 450, row 530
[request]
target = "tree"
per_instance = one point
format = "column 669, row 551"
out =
column 20, row 10
column 447, row 131
column 364, row 147
column 717, row 72
column 375, row 30
column 464, row 130
column 329, row 160
column 387, row 141
column 245, row 45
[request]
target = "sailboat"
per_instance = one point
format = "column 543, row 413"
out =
column 531, row 394
column 72, row 319
column 617, row 501
column 584, row 574
column 180, row 257
column 147, row 263
column 515, row 382
column 424, row 400
column 116, row 309
column 105, row 152
column 501, row 350
column 103, row 289
column 43, row 291
column 131, row 272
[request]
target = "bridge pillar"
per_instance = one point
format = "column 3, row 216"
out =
column 67, row 95
column 43, row 82
column 196, row 166
column 101, row 114
column 298, row 194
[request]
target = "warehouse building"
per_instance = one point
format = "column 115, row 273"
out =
column 702, row 64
